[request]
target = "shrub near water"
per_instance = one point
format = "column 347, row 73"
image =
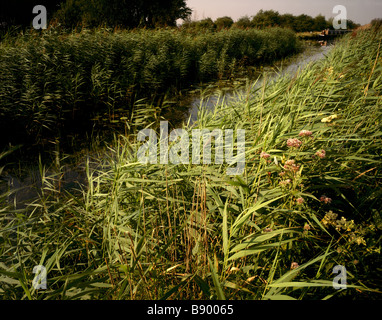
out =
column 309, row 200
column 54, row 80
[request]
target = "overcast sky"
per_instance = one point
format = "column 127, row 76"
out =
column 360, row 11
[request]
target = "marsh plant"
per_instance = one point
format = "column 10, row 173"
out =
column 309, row 198
column 54, row 83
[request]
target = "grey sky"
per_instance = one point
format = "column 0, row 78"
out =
column 360, row 11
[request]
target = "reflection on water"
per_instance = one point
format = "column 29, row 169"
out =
column 19, row 190
column 209, row 101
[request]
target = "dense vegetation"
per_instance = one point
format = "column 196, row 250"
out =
column 309, row 198
column 267, row 19
column 55, row 82
column 72, row 14
column 20, row 12
column 111, row 13
column 128, row 14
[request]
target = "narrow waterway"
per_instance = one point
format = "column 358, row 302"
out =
column 18, row 190
column 292, row 66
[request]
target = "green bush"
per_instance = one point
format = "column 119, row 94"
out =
column 223, row 23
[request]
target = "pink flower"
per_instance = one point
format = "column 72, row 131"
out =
column 300, row 200
column 325, row 199
column 294, row 265
column 264, row 155
column 295, row 143
column 321, row 154
column 291, row 166
column 285, row 182
column 305, row 133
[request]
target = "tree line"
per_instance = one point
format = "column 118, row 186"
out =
column 148, row 14
column 110, row 13
column 266, row 19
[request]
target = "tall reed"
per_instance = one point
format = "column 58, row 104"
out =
column 306, row 202
column 54, row 83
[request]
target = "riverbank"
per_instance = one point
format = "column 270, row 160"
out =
column 308, row 200
column 23, row 179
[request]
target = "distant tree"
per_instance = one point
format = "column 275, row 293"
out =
column 20, row 12
column 126, row 13
column 188, row 23
column 320, row 23
column 303, row 23
column 223, row 23
column 263, row 19
column 157, row 13
column 288, row 20
column 243, row 23
column 205, row 24
column 73, row 12
column 352, row 25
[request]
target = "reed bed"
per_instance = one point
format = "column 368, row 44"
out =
column 306, row 202
column 54, row 82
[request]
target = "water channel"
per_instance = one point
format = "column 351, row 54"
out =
column 18, row 190
column 290, row 66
